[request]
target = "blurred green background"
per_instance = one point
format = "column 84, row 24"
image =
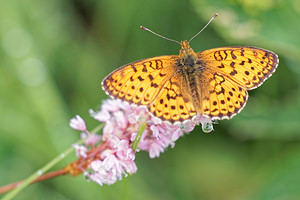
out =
column 54, row 54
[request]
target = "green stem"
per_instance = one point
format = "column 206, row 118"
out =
column 138, row 137
column 97, row 128
column 44, row 169
column 38, row 173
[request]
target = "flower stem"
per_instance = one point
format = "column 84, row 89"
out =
column 49, row 175
column 138, row 137
column 38, row 173
column 97, row 128
column 44, row 169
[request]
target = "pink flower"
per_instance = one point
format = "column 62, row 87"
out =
column 81, row 151
column 90, row 139
column 77, row 123
column 113, row 163
column 114, row 157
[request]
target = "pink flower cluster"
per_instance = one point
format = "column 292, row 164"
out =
column 115, row 161
column 122, row 123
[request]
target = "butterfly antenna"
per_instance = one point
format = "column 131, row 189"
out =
column 146, row 29
column 204, row 27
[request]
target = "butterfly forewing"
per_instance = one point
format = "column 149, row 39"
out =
column 247, row 66
column 140, row 82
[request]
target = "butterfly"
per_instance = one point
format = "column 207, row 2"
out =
column 175, row 88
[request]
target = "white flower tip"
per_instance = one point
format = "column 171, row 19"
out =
column 77, row 123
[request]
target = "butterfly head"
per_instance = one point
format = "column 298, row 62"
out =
column 186, row 54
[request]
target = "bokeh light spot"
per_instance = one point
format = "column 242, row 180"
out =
column 17, row 43
column 32, row 72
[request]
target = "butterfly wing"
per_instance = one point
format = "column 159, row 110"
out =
column 174, row 103
column 247, row 66
column 155, row 83
column 140, row 82
column 222, row 98
column 229, row 72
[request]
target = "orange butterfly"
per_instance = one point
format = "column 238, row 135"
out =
column 211, row 83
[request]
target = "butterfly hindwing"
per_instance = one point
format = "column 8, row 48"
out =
column 172, row 103
column 225, row 98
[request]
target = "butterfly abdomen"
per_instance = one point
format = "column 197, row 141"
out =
column 190, row 70
column 189, row 73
